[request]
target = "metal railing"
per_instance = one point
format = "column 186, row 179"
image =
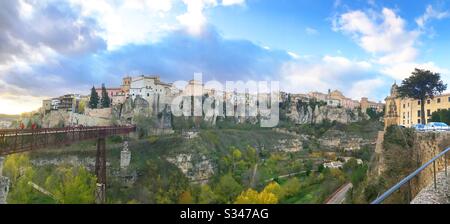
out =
column 412, row 175
column 21, row 140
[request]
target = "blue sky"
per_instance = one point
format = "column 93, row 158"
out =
column 360, row 47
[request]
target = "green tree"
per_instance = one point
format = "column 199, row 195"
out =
column 19, row 170
column 93, row 101
column 421, row 85
column 72, row 185
column 227, row 189
column 106, row 102
column 206, row 196
column 291, row 187
column 441, row 116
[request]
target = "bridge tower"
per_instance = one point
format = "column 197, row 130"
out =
column 100, row 171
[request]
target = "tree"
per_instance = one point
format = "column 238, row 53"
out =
column 227, row 189
column 185, row 198
column 291, row 187
column 441, row 116
column 93, row 101
column 206, row 196
column 106, row 102
column 81, row 107
column 72, row 185
column 251, row 196
column 18, row 168
column 421, row 85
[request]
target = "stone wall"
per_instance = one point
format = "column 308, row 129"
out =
column 427, row 146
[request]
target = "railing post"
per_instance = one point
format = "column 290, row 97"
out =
column 434, row 175
column 409, row 192
column 445, row 163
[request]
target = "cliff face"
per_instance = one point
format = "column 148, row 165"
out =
column 425, row 146
column 314, row 114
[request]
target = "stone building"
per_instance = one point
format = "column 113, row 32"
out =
column 366, row 104
column 407, row 111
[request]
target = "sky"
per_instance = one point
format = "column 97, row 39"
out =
column 361, row 47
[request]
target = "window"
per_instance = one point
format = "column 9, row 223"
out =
column 428, row 101
column 428, row 112
column 148, row 94
column 418, row 113
column 418, row 102
column 404, row 116
column 439, row 100
column 418, row 121
column 404, row 105
column 449, row 99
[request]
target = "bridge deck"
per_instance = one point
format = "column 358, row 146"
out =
column 21, row 140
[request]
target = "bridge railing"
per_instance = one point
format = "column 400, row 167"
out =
column 407, row 180
column 19, row 140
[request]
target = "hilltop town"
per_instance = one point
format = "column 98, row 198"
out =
column 159, row 95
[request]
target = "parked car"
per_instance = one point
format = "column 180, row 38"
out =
column 419, row 127
column 436, row 126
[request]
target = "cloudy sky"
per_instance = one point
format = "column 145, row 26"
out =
column 52, row 47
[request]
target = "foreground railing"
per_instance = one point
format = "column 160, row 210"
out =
column 412, row 175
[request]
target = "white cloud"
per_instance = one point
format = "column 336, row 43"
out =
column 403, row 70
column 311, row 31
column 386, row 38
column 329, row 72
column 429, row 14
column 124, row 22
column 366, row 88
column 232, row 2
column 194, row 19
column 293, row 55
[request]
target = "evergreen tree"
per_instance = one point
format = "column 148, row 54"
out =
column 105, row 98
column 93, row 102
column 422, row 84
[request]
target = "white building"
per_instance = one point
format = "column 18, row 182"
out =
column 333, row 165
column 151, row 88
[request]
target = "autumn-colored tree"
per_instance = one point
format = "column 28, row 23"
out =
column 266, row 196
column 185, row 198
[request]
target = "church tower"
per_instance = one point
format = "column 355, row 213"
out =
column 391, row 116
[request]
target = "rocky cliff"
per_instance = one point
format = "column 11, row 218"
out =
column 314, row 113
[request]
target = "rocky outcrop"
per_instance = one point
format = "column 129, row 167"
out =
column 314, row 113
column 338, row 139
column 197, row 169
column 65, row 119
column 289, row 145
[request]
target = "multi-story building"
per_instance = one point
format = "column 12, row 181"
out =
column 365, row 104
column 69, row 102
column 407, row 111
column 151, row 89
